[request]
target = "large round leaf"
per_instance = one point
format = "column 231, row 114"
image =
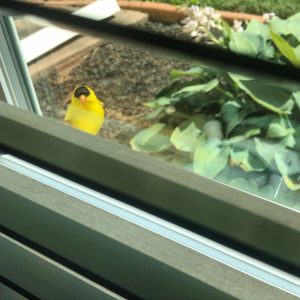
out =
column 247, row 43
column 259, row 28
column 292, row 26
column 152, row 139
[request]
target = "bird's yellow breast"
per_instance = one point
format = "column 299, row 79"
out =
column 88, row 117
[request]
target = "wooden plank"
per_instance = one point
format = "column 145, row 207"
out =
column 67, row 57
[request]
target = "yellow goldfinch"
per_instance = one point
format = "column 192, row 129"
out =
column 85, row 111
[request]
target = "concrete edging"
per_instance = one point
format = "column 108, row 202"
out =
column 169, row 13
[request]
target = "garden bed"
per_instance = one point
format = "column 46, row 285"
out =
column 125, row 78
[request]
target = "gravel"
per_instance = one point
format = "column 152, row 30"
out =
column 124, row 78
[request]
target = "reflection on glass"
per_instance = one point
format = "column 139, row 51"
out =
column 25, row 27
column 2, row 96
column 239, row 130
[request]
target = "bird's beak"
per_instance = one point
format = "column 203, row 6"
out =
column 83, row 99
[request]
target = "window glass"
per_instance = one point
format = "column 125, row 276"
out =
column 240, row 130
column 26, row 27
column 249, row 27
column 2, row 96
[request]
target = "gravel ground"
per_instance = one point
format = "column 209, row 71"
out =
column 125, row 78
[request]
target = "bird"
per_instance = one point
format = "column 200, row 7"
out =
column 85, row 111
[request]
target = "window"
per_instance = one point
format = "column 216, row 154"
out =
column 2, row 95
column 221, row 145
column 218, row 124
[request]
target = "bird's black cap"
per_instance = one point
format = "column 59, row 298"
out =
column 81, row 90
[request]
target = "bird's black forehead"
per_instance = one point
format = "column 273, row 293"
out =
column 81, row 90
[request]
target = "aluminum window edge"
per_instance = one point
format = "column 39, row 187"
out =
column 9, row 290
column 17, row 78
column 133, row 248
column 72, row 152
column 225, row 255
column 43, row 277
column 6, row 87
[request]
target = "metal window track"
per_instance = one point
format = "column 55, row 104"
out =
column 218, row 252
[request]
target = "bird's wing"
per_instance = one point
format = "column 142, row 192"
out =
column 67, row 104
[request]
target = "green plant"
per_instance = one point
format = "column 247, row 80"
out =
column 277, row 40
column 212, row 122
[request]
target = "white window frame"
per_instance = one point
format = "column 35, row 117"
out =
column 15, row 80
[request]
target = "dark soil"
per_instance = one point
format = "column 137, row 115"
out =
column 124, row 78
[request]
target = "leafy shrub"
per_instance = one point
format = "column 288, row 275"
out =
column 210, row 121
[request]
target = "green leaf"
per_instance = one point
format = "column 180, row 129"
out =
column 246, row 160
column 278, row 25
column 239, row 77
column 288, row 163
column 289, row 141
column 161, row 102
column 292, row 26
column 234, row 114
column 259, row 28
column 279, row 129
column 268, row 51
column 170, row 89
column 229, row 110
column 274, row 98
column 297, row 98
column 285, row 48
column 261, row 122
column 185, row 136
column 226, row 28
column 154, row 114
column 240, row 138
column 213, row 129
column 247, row 43
column 204, row 88
column 292, row 185
column 210, row 158
column 297, row 52
column 267, row 149
column 195, row 72
column 297, row 139
column 152, row 139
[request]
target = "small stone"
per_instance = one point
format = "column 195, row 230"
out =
column 130, row 17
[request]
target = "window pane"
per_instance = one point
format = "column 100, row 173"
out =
column 2, row 96
column 210, row 23
column 239, row 130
